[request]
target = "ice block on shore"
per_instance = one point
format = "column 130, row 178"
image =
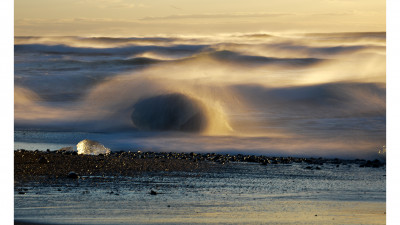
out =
column 89, row 147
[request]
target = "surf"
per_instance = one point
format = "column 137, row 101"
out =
column 314, row 94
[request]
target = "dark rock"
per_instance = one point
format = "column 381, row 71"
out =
column 43, row 160
column 72, row 175
column 65, row 150
column 21, row 192
column 153, row 192
column 374, row 164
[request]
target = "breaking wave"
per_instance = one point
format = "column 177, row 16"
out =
column 169, row 112
column 317, row 94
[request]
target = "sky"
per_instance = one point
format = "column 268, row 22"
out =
column 188, row 17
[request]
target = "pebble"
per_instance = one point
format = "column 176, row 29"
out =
column 72, row 175
column 374, row 164
column 43, row 160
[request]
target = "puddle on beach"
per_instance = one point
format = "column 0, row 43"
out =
column 240, row 193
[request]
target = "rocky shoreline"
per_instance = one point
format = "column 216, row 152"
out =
column 32, row 165
column 172, row 181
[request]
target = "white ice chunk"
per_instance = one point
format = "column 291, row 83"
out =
column 89, row 147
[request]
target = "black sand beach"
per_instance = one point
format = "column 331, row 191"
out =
column 61, row 187
column 49, row 165
column 53, row 165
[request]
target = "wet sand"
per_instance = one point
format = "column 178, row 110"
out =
column 278, row 212
column 26, row 223
column 194, row 188
column 56, row 166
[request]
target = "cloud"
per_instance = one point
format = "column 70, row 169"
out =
column 82, row 20
column 175, row 7
column 217, row 16
column 106, row 4
column 345, row 1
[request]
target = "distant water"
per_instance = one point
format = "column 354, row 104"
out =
column 289, row 94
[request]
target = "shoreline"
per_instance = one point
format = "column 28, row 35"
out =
column 52, row 165
column 17, row 222
column 49, row 166
column 187, row 188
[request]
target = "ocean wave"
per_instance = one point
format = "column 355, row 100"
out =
column 169, row 112
column 128, row 50
column 97, row 42
column 349, row 35
column 104, row 63
column 287, row 91
column 237, row 58
column 321, row 100
column 325, row 51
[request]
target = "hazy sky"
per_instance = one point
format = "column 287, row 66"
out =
column 152, row 17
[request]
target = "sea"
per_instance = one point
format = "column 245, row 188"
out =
column 272, row 94
column 278, row 94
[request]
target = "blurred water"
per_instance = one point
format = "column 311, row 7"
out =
column 243, row 193
column 311, row 95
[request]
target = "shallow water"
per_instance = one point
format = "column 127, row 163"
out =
column 240, row 193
